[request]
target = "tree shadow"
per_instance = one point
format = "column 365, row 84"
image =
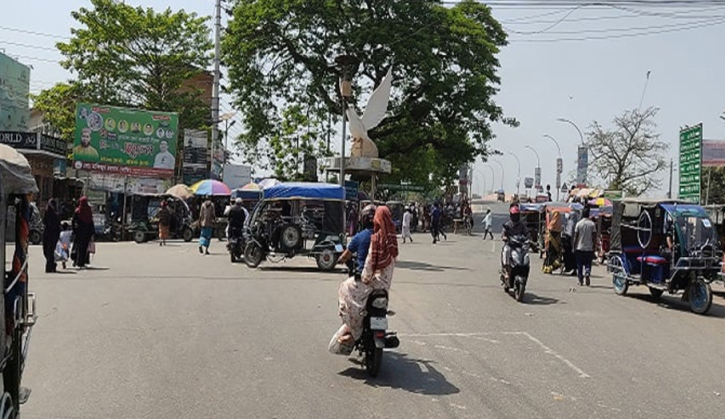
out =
column 533, row 299
column 674, row 302
column 400, row 372
column 422, row 266
column 300, row 269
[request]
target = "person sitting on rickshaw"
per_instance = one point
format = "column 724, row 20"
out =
column 553, row 244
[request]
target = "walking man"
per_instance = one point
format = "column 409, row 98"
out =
column 435, row 223
column 487, row 221
column 407, row 216
column 207, row 217
column 584, row 239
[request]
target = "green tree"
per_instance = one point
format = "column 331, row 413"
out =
column 280, row 55
column 121, row 55
column 627, row 156
column 58, row 105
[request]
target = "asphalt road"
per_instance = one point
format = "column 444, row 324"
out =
column 160, row 333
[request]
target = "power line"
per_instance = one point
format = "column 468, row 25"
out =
column 25, row 31
column 608, row 30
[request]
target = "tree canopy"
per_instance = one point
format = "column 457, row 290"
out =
column 126, row 56
column 627, row 156
column 280, row 55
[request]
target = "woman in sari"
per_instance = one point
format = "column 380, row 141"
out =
column 377, row 274
column 83, row 230
column 553, row 244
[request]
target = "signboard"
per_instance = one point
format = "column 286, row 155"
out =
column 196, row 153
column 131, row 185
column 528, row 182
column 129, row 141
column 690, row 163
column 612, row 194
column 582, row 165
column 14, row 93
column 403, row 188
column 537, row 177
column 559, row 165
column 237, row 175
column 351, row 190
column 29, row 141
column 713, row 153
column 564, row 188
column 558, row 180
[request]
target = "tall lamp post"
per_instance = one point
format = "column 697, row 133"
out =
column 518, row 176
column 493, row 178
column 559, row 164
column 347, row 65
column 502, row 171
column 537, row 169
column 582, row 151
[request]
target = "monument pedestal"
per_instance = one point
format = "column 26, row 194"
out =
column 359, row 166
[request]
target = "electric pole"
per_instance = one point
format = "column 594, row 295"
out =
column 215, row 97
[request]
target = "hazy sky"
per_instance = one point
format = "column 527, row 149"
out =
column 545, row 74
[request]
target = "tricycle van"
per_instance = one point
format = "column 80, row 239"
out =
column 534, row 215
column 297, row 219
column 666, row 246
column 17, row 185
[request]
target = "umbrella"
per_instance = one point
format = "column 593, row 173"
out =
column 603, row 202
column 251, row 186
column 210, row 187
column 180, row 191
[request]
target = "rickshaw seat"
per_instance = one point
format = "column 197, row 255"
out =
column 652, row 260
column 632, row 249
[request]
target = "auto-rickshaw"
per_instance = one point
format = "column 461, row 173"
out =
column 667, row 246
column 147, row 227
column 298, row 219
column 534, row 217
column 17, row 184
column 603, row 219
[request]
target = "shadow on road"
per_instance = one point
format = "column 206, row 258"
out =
column 400, row 372
column 301, row 269
column 422, row 266
column 672, row 302
column 533, row 299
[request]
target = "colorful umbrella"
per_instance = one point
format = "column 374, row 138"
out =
column 180, row 191
column 251, row 186
column 210, row 187
column 603, row 202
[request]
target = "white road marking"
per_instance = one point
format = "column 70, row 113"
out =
column 448, row 348
column 553, row 353
column 433, row 335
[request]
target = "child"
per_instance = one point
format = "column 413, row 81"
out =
column 62, row 249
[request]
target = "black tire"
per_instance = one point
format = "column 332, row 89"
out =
column 373, row 361
column 233, row 258
column 619, row 278
column 139, row 236
column 7, row 409
column 253, row 255
column 326, row 260
column 14, row 370
column 700, row 296
column 656, row 292
column 290, row 236
column 187, row 234
column 35, row 237
column 519, row 291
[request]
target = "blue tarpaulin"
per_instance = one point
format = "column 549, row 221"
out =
column 305, row 190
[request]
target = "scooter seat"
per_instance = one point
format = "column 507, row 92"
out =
column 652, row 260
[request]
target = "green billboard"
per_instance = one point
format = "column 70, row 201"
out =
column 14, row 92
column 690, row 163
column 125, row 141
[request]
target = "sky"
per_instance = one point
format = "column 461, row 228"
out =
column 584, row 64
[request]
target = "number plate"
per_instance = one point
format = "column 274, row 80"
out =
column 378, row 323
column 338, row 248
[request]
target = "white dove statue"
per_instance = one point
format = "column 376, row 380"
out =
column 362, row 145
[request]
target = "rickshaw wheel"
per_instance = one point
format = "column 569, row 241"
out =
column 35, row 237
column 252, row 255
column 187, row 234
column 655, row 292
column 700, row 296
column 291, row 236
column 619, row 279
column 326, row 260
column 139, row 236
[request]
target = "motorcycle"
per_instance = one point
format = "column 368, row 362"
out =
column 235, row 245
column 519, row 267
column 375, row 336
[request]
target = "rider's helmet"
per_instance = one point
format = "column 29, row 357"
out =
column 367, row 215
column 515, row 213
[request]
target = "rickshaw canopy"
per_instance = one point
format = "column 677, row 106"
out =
column 305, row 190
column 16, row 176
column 632, row 207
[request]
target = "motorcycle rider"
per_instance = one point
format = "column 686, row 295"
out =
column 360, row 243
column 513, row 227
column 237, row 216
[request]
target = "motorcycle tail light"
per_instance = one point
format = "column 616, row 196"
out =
column 380, row 335
column 380, row 303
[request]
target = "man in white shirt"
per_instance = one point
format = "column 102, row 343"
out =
column 406, row 225
column 164, row 160
column 584, row 238
column 487, row 222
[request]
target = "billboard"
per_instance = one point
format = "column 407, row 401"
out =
column 690, row 163
column 582, row 165
column 196, row 152
column 131, row 142
column 14, row 91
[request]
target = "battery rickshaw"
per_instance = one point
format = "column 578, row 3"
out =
column 297, row 219
column 146, row 227
column 666, row 246
column 17, row 185
column 534, row 217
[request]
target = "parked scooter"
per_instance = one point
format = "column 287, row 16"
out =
column 519, row 266
column 375, row 336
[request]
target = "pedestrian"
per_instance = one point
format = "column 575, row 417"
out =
column 51, row 234
column 426, row 218
column 407, row 216
column 207, row 217
column 164, row 216
column 83, row 230
column 584, row 239
column 62, row 249
column 567, row 243
column 552, row 246
column 487, row 224
column 435, row 223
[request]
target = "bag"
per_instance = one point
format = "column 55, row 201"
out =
column 91, row 247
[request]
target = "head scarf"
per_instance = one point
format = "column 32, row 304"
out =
column 52, row 206
column 85, row 214
column 555, row 223
column 384, row 243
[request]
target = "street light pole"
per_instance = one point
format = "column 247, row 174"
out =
column 348, row 65
column 518, row 177
column 493, row 178
column 536, row 169
column 559, row 164
column 538, row 161
column 502, row 171
column 581, row 136
column 558, row 149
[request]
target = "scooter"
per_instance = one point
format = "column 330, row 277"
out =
column 520, row 266
column 235, row 246
column 375, row 336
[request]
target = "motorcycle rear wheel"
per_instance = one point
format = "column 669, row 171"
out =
column 373, row 360
column 253, row 255
column 519, row 291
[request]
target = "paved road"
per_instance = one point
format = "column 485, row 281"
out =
column 167, row 333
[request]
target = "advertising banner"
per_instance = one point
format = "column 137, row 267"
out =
column 351, row 190
column 126, row 141
column 690, row 163
column 582, row 165
column 713, row 153
column 528, row 182
column 130, row 185
column 537, row 177
column 14, row 93
column 196, row 156
column 237, row 175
